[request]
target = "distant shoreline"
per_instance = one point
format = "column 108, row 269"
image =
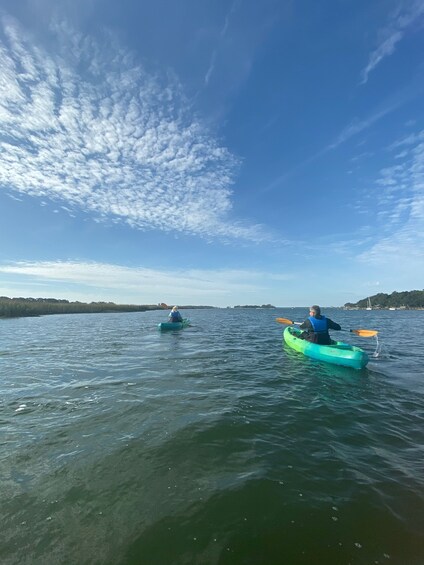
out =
column 404, row 300
column 376, row 309
column 33, row 307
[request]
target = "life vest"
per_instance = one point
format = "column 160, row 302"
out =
column 319, row 325
column 176, row 317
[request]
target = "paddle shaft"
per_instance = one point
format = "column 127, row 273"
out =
column 361, row 333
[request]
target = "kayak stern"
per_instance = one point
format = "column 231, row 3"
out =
column 164, row 326
column 339, row 353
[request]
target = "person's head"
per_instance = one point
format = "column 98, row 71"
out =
column 315, row 311
column 175, row 308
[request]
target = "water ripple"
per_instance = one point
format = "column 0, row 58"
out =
column 216, row 444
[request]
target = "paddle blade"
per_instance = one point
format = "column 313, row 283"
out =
column 365, row 333
column 284, row 321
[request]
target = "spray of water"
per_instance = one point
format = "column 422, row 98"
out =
column 378, row 348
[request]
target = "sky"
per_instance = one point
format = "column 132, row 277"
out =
column 211, row 152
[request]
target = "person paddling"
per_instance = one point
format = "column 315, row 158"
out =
column 174, row 315
column 316, row 327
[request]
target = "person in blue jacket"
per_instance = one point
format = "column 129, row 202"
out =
column 316, row 327
column 174, row 315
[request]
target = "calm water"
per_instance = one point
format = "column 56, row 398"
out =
column 212, row 445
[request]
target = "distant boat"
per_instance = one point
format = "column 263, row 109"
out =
column 392, row 308
column 369, row 307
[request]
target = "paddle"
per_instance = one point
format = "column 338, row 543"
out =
column 361, row 333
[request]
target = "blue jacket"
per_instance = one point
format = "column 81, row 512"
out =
column 175, row 317
column 317, row 329
column 319, row 325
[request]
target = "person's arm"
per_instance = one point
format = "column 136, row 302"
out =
column 306, row 325
column 332, row 325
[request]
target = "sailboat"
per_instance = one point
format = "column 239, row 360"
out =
column 369, row 307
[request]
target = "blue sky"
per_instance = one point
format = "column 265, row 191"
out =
column 211, row 152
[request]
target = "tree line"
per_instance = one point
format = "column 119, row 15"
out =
column 407, row 299
column 17, row 307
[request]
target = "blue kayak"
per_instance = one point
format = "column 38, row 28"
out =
column 338, row 353
column 165, row 326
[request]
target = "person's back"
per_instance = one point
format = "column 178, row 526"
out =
column 174, row 315
column 316, row 327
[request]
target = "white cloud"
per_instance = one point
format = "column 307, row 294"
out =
column 392, row 34
column 88, row 127
column 100, row 281
column 400, row 216
column 411, row 139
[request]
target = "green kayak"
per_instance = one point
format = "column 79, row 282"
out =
column 164, row 326
column 338, row 353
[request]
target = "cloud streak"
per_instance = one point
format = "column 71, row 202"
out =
column 222, row 35
column 397, row 26
column 88, row 127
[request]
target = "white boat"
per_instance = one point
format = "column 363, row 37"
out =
column 392, row 308
column 369, row 307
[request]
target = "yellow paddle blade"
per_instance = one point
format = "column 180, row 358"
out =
column 284, row 321
column 365, row 333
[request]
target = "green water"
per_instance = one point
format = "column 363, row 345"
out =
column 211, row 445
